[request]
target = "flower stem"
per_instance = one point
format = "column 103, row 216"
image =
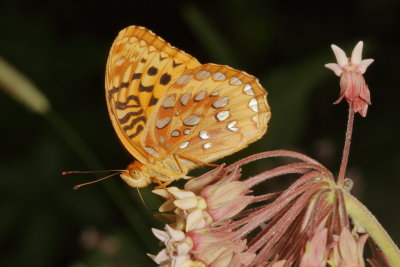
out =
column 346, row 149
column 362, row 216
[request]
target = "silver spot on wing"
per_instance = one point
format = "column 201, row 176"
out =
column 184, row 144
column 253, row 104
column 231, row 126
column 185, row 98
column 220, row 102
column 204, row 135
column 223, row 115
column 203, row 74
column 192, row 120
column 161, row 123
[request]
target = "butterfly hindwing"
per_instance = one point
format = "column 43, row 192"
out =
column 208, row 112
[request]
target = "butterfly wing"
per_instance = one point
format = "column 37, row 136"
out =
column 140, row 68
column 208, row 112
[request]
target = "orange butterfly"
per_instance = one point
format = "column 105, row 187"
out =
column 173, row 113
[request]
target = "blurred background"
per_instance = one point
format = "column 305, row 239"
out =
column 62, row 47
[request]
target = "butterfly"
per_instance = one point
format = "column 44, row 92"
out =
column 173, row 113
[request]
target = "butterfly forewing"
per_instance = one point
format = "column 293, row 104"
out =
column 140, row 68
column 207, row 113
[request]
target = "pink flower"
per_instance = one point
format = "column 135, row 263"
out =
column 217, row 249
column 177, row 246
column 224, row 194
column 352, row 83
column 348, row 250
column 210, row 198
column 315, row 254
column 205, row 204
column 201, row 248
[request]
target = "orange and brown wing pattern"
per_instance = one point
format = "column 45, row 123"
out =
column 208, row 112
column 140, row 68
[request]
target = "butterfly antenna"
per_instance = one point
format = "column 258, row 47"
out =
column 95, row 181
column 74, row 172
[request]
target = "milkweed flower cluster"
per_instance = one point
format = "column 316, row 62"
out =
column 219, row 222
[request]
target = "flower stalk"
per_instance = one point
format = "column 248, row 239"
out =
column 346, row 149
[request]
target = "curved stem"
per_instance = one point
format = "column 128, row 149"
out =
column 346, row 149
column 362, row 216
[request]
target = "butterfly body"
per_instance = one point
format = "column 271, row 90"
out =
column 173, row 113
column 138, row 174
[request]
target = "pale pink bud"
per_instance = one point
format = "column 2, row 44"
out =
column 352, row 83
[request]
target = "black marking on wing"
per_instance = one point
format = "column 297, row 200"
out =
column 162, row 58
column 143, row 60
column 138, row 130
column 165, row 79
column 152, row 71
column 134, row 122
column 174, row 64
column 153, row 101
column 136, row 76
column 143, row 88
column 124, row 105
column 116, row 89
column 129, row 115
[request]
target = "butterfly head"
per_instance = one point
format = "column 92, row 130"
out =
column 134, row 176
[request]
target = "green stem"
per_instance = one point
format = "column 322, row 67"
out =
column 363, row 217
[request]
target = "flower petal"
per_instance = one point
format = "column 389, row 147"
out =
column 356, row 55
column 197, row 184
column 217, row 195
column 231, row 208
column 348, row 246
column 364, row 65
column 193, row 219
column 175, row 234
column 335, row 68
column 162, row 192
column 180, row 194
column 186, row 203
column 161, row 258
column 161, row 235
column 167, row 206
column 340, row 55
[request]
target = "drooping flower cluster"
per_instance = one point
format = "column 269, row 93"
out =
column 218, row 222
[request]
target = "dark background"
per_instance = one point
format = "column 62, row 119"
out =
column 62, row 46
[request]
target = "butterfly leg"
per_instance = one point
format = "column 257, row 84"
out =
column 177, row 162
column 195, row 161
column 161, row 185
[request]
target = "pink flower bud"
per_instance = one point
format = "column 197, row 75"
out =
column 352, row 83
